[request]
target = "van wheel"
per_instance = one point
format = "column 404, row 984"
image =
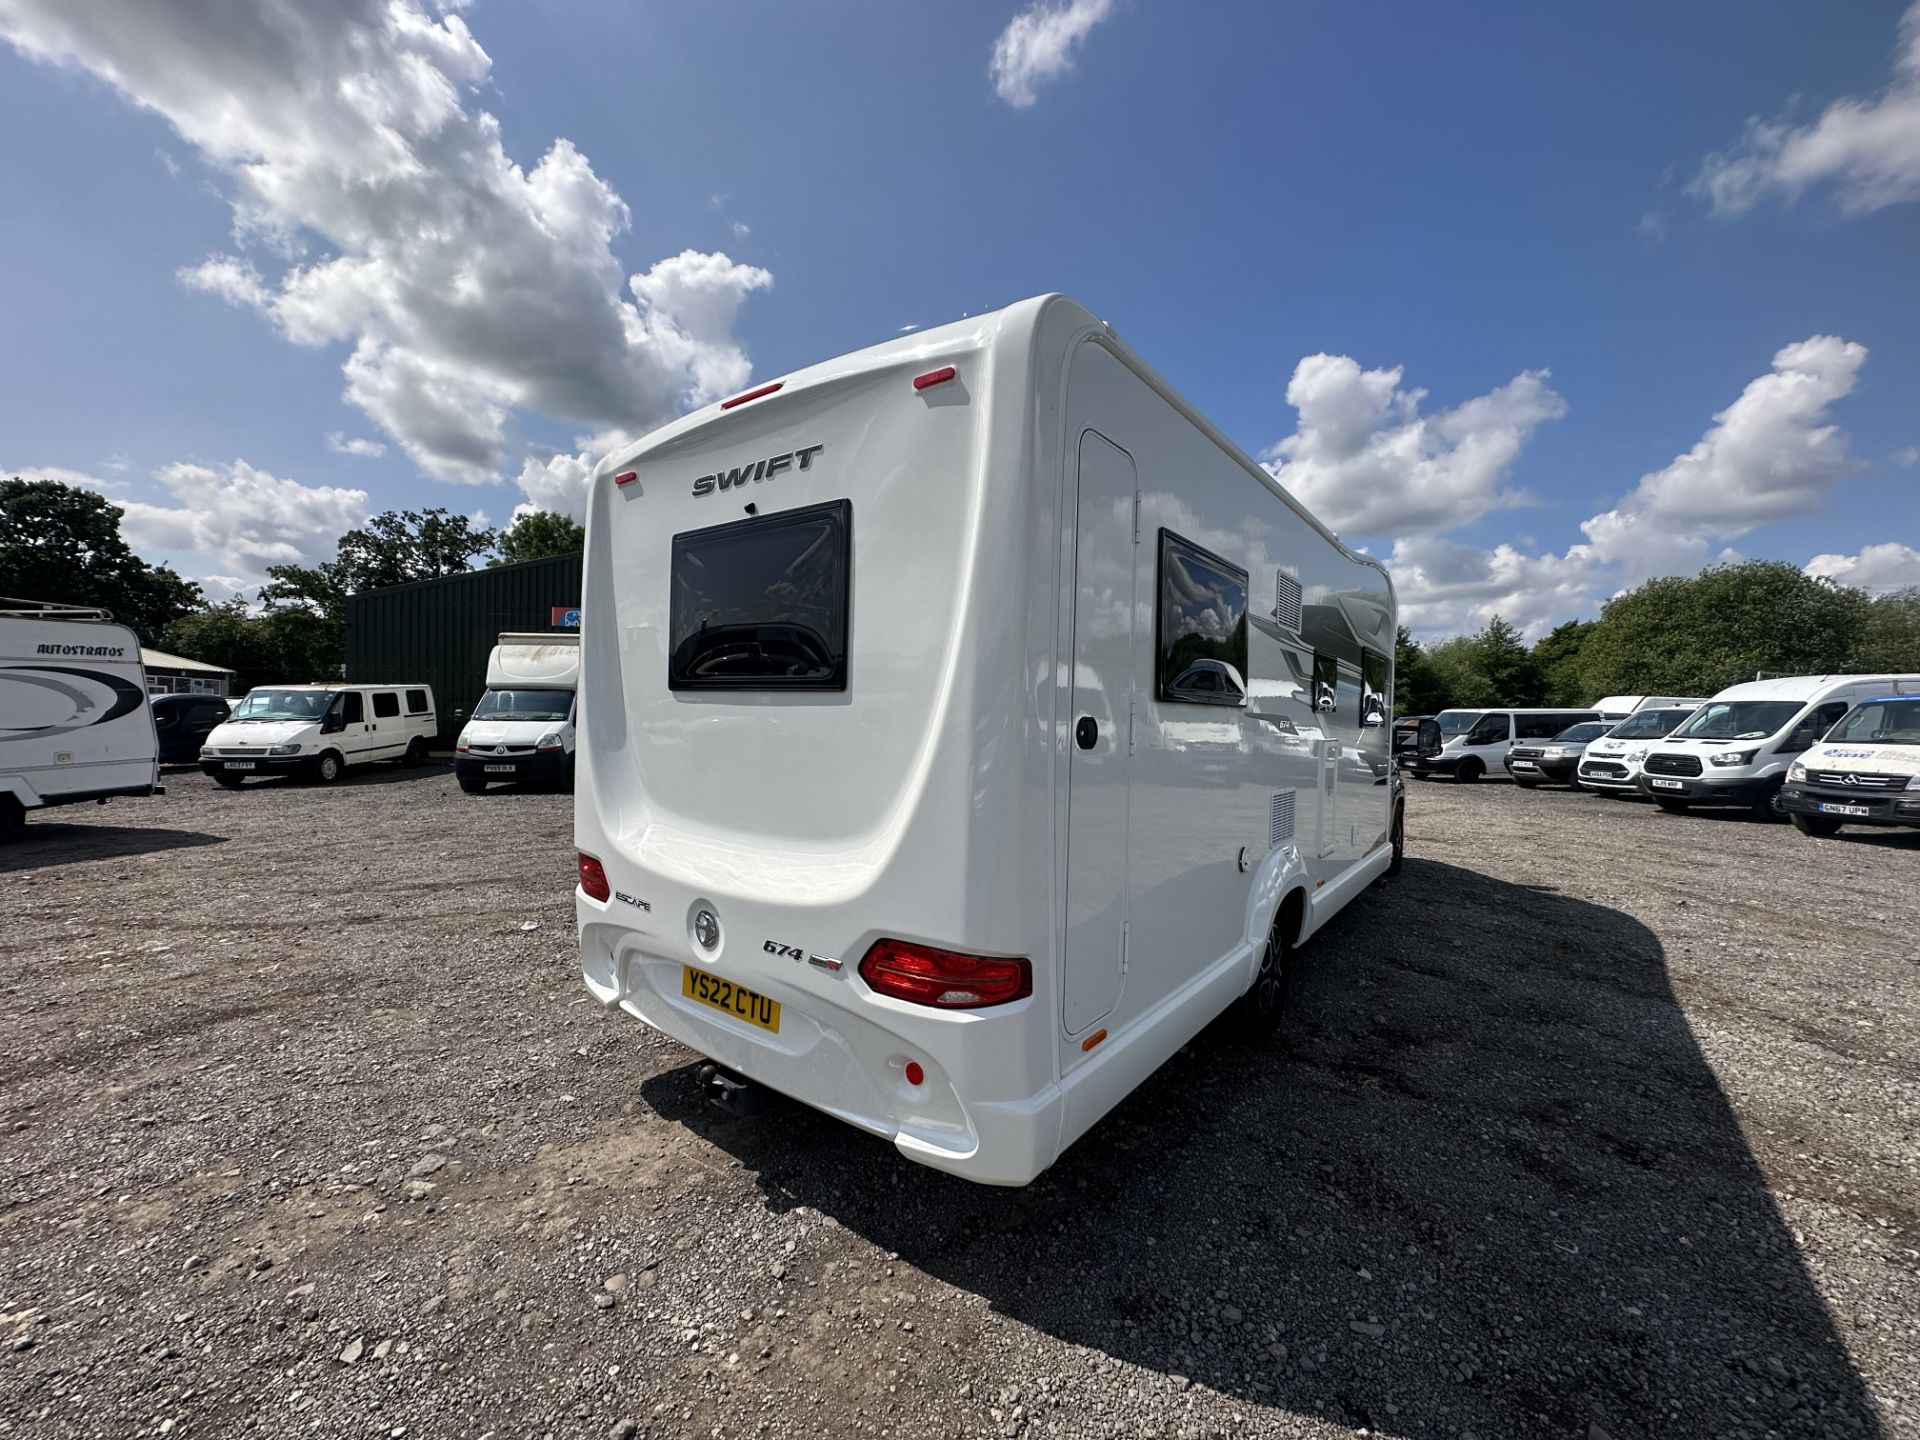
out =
column 472, row 784
column 328, row 767
column 416, row 753
column 1470, row 770
column 228, row 782
column 1672, row 807
column 1817, row 824
column 1399, row 838
column 1257, row 1015
column 13, row 819
column 1770, row 804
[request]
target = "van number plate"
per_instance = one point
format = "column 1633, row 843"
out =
column 1827, row 808
column 734, row 1000
column 1666, row 784
column 500, row 769
column 239, row 765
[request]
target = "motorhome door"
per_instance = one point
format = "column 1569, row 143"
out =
column 1104, row 567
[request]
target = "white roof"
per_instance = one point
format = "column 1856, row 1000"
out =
column 1801, row 687
column 160, row 660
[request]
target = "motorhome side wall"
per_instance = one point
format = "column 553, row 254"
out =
column 74, row 719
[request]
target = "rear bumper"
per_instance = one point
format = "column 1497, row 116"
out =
column 541, row 765
column 1898, row 808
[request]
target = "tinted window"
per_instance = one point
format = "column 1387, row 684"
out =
column 1490, row 730
column 1375, row 702
column 1884, row 722
column 1647, row 724
column 1813, row 727
column 1540, row 727
column 417, row 702
column 1202, row 650
column 762, row 604
column 386, row 705
column 351, row 709
column 1583, row 733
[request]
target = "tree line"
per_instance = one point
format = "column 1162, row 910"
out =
column 62, row 544
column 1678, row 635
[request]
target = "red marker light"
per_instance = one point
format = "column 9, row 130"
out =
column 915, row 1075
column 933, row 377
column 626, row 477
column 593, row 878
column 751, row 395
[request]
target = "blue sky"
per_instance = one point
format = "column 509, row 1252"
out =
column 1577, row 235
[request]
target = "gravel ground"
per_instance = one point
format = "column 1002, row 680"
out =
column 1597, row 1122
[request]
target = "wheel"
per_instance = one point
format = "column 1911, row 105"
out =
column 1769, row 804
column 328, row 767
column 1526, row 784
column 566, row 780
column 228, row 782
column 473, row 784
column 13, row 817
column 1670, row 805
column 1817, row 824
column 1470, row 770
column 416, row 753
column 1257, row 1013
column 1399, row 837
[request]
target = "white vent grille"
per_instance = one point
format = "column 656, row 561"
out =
column 1286, row 600
column 1280, row 828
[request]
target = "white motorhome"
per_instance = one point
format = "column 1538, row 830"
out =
column 1865, row 772
column 1630, row 704
column 1611, row 764
column 74, row 720
column 964, row 724
column 319, row 730
column 522, row 729
column 1735, row 749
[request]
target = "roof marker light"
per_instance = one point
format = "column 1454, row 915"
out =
column 626, row 477
column 751, row 395
column 933, row 377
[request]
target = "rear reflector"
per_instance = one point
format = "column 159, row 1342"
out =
column 751, row 395
column 944, row 979
column 593, row 878
column 626, row 477
column 915, row 1075
column 933, row 377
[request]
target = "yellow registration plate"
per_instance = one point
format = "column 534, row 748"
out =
column 735, row 1000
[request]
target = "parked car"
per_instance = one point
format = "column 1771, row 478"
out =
column 1474, row 743
column 319, row 730
column 1555, row 761
column 1735, row 749
column 1865, row 772
column 1611, row 764
column 183, row 723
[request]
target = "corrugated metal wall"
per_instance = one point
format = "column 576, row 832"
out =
column 441, row 631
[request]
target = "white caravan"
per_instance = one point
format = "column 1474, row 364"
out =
column 319, row 730
column 1611, row 764
column 1866, row 772
column 74, row 719
column 1735, row 749
column 1631, row 704
column 522, row 729
column 964, row 724
column 1474, row 743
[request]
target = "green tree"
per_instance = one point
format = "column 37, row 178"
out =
column 539, row 534
column 1455, row 666
column 1683, row 635
column 1556, row 655
column 1509, row 667
column 390, row 549
column 62, row 544
column 1417, row 689
column 1890, row 634
column 276, row 647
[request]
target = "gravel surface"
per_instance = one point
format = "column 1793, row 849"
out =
column 1598, row 1122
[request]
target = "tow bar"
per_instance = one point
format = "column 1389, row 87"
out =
column 733, row 1093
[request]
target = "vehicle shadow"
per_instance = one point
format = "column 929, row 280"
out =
column 380, row 772
column 43, row 843
column 1489, row 1185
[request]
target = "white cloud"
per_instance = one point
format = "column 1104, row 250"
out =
column 1039, row 44
column 1906, row 459
column 338, row 442
column 1365, row 460
column 1867, row 149
column 239, row 520
column 466, row 286
column 741, row 230
column 1447, row 588
column 1877, row 569
column 60, row 475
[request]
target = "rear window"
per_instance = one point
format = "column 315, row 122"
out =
column 761, row 604
column 416, row 702
column 386, row 705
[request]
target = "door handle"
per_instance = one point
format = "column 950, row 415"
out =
column 1086, row 732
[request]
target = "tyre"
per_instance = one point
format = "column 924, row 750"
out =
column 1670, row 805
column 416, row 753
column 1257, row 1014
column 1399, row 838
column 329, row 767
column 1817, row 824
column 228, row 782
column 1470, row 770
column 1769, row 804
column 13, row 818
column 473, row 784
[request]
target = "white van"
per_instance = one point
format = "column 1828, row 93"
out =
column 1866, row 771
column 318, row 730
column 964, row 724
column 1735, row 749
column 522, row 729
column 74, row 720
column 1474, row 743
column 1611, row 764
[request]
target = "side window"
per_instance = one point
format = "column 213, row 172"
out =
column 386, row 705
column 1489, row 729
column 417, row 702
column 351, row 709
column 1326, row 685
column 1376, row 705
column 1202, row 655
column 1810, row 729
column 1537, row 727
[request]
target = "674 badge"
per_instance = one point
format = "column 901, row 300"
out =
column 794, row 952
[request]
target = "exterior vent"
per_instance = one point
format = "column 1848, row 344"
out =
column 1286, row 600
column 1280, row 828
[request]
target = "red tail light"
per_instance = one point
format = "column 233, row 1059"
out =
column 593, row 878
column 751, row 395
column 933, row 377
column 943, row 979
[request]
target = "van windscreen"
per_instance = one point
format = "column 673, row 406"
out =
column 761, row 604
column 1738, row 719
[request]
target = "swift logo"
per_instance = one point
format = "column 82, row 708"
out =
column 743, row 475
